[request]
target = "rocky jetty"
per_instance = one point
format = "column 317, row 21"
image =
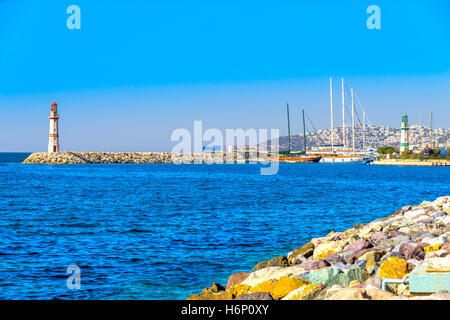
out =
column 352, row 265
column 126, row 157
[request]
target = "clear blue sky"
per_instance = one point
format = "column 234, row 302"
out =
column 137, row 70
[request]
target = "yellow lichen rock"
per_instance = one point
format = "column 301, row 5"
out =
column 212, row 296
column 366, row 231
column 370, row 266
column 393, row 268
column 348, row 233
column 278, row 261
column 402, row 290
column 300, row 293
column 282, row 287
column 436, row 247
column 372, row 255
column 354, row 283
column 325, row 249
column 306, row 250
column 239, row 290
column 324, row 254
column 265, row 286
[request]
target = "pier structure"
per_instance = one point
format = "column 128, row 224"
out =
column 53, row 138
column 404, row 137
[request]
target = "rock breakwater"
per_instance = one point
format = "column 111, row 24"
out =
column 354, row 264
column 126, row 157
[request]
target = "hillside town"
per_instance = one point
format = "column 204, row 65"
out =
column 420, row 137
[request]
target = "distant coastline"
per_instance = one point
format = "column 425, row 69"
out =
column 409, row 162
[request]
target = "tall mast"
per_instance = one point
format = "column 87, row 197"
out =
column 331, row 107
column 364, row 130
column 343, row 115
column 353, row 123
column 289, row 127
column 304, row 131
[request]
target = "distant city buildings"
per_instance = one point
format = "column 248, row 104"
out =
column 419, row 138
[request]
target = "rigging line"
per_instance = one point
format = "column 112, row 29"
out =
column 346, row 107
column 315, row 130
column 370, row 123
column 308, row 131
column 356, row 111
column 357, row 114
column 359, row 130
column 356, row 95
column 367, row 118
column 348, row 112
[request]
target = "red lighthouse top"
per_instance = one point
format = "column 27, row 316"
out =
column 54, row 110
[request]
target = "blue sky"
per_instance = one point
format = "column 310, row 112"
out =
column 137, row 70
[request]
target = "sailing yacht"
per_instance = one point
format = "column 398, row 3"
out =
column 343, row 155
column 298, row 156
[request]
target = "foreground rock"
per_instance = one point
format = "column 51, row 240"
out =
column 352, row 265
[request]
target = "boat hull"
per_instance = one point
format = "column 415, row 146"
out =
column 343, row 159
column 301, row 159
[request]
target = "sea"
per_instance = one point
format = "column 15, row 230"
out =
column 165, row 231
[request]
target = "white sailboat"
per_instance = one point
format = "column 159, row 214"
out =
column 344, row 155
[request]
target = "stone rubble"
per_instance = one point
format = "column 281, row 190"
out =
column 350, row 265
column 68, row 157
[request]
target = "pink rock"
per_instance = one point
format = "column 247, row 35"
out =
column 410, row 252
column 236, row 278
column 373, row 282
column 446, row 247
column 350, row 294
column 358, row 245
column 378, row 294
column 414, row 262
column 394, row 233
column 441, row 295
column 334, row 258
column 352, row 259
column 436, row 254
column 423, row 244
column 378, row 236
column 312, row 265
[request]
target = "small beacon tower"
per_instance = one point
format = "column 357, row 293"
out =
column 404, row 138
column 53, row 138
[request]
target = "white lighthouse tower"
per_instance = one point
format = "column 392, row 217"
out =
column 404, row 138
column 53, row 138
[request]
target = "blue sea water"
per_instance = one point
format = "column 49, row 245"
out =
column 162, row 231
